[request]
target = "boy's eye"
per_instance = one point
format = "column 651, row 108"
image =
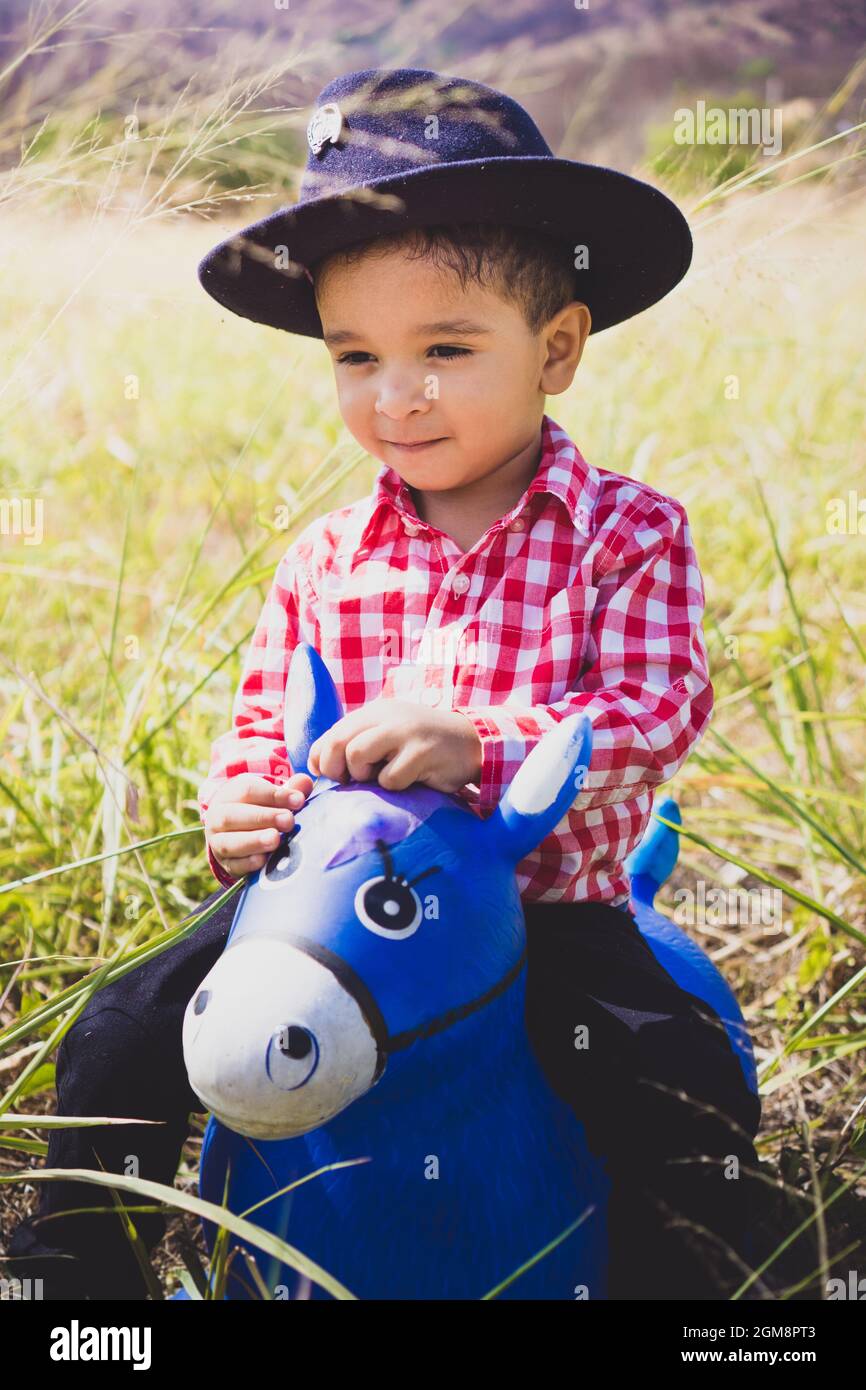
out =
column 352, row 359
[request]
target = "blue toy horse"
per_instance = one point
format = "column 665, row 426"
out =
column 370, row 1005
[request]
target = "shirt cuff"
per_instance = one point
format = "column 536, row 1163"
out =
column 506, row 740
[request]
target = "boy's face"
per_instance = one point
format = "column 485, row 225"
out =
column 419, row 359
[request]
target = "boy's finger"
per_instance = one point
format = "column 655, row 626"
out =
column 239, row 867
column 294, row 790
column 240, row 815
column 300, row 781
column 329, row 749
column 237, row 844
column 366, row 751
column 401, row 772
column 332, row 761
column 265, row 793
column 258, row 791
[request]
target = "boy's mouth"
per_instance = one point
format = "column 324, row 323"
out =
column 411, row 448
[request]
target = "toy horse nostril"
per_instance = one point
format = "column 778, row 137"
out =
column 292, row 1057
column 295, row 1042
column 202, row 999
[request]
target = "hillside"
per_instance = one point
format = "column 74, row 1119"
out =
column 591, row 77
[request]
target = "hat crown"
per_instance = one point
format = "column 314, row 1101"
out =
column 396, row 121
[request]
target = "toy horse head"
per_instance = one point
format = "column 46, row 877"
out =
column 382, row 918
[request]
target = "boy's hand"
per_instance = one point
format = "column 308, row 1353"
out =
column 246, row 817
column 403, row 743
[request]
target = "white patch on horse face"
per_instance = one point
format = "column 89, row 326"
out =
column 257, row 992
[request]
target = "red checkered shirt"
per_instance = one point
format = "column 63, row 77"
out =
column 585, row 596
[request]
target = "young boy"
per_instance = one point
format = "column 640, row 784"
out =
column 493, row 583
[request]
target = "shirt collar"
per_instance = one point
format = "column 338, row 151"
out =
column 562, row 471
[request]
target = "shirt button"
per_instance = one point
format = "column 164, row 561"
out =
column 518, row 524
column 460, row 583
column 410, row 528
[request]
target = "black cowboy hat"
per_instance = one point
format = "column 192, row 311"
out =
column 394, row 149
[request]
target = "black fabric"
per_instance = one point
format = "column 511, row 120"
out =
column 122, row 1056
column 587, row 964
column 658, row 1085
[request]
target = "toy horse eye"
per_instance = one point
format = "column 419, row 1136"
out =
column 388, row 907
column 202, row 999
column 282, row 862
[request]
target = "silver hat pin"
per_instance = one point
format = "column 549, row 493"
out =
column 325, row 124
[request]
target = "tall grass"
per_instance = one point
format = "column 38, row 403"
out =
column 176, row 449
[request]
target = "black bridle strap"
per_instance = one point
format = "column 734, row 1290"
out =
column 452, row 1016
column 355, row 986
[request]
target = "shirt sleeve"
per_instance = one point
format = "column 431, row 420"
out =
column 646, row 686
column 255, row 742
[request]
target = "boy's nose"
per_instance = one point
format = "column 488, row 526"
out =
column 402, row 395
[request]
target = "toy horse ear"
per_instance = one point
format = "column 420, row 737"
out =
column 312, row 705
column 545, row 787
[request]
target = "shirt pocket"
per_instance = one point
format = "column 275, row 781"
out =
column 537, row 662
column 565, row 645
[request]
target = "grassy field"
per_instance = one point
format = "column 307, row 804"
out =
column 167, row 442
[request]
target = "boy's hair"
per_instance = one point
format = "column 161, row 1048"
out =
column 524, row 267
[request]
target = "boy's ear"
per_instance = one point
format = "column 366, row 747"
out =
column 312, row 705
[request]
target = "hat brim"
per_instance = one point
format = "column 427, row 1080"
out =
column 638, row 242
